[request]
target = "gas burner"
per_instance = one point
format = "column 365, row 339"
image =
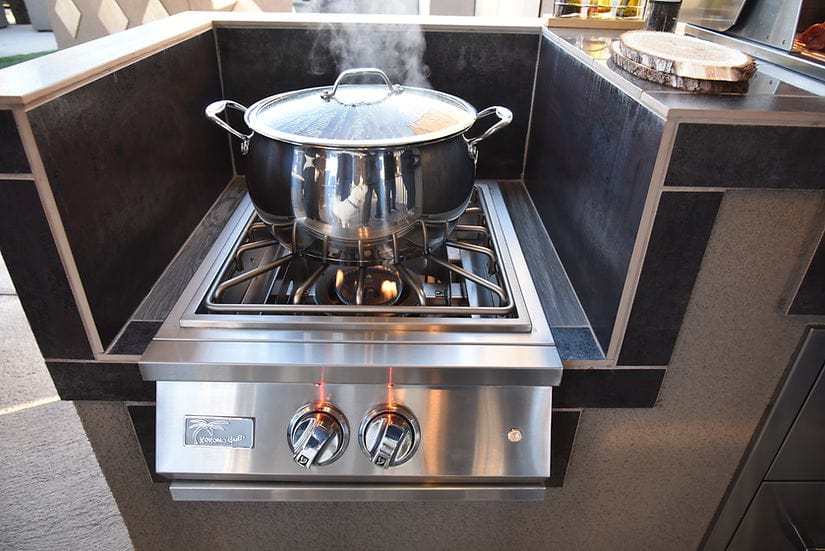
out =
column 366, row 285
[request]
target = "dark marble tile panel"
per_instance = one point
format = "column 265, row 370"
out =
column 257, row 63
column 561, row 307
column 134, row 164
column 135, row 337
column 143, row 421
column 13, row 160
column 37, row 272
column 171, row 284
column 564, row 425
column 747, row 156
column 576, row 343
column 621, row 387
column 489, row 69
column 810, row 297
column 590, row 160
column 677, row 244
column 120, row 382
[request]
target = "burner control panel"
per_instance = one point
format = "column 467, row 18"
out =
column 270, row 431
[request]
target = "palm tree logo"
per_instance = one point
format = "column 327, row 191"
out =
column 210, row 426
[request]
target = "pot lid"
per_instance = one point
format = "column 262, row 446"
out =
column 360, row 115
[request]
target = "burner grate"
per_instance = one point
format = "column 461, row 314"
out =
column 455, row 273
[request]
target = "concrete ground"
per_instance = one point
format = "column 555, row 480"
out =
column 52, row 493
column 23, row 39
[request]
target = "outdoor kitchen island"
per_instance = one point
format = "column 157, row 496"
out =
column 685, row 273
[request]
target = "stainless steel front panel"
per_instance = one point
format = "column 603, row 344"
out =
column 466, row 433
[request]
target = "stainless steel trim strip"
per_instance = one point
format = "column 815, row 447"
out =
column 254, row 491
column 346, row 362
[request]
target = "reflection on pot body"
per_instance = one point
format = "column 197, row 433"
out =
column 359, row 195
column 355, row 195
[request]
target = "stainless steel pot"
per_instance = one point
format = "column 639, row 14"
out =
column 359, row 163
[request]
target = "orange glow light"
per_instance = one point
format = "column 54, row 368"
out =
column 389, row 290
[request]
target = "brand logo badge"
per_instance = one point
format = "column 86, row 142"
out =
column 219, row 432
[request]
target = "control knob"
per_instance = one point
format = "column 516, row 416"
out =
column 318, row 434
column 389, row 435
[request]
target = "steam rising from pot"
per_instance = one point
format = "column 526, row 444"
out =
column 398, row 50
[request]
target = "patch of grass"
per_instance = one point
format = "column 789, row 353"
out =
column 20, row 58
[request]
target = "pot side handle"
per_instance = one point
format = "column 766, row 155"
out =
column 218, row 107
column 505, row 117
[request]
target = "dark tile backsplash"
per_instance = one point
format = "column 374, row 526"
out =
column 134, row 164
column 621, row 387
column 489, row 69
column 810, row 297
column 100, row 381
column 576, row 343
column 557, row 296
column 135, row 338
column 143, row 420
column 483, row 68
column 563, row 427
column 37, row 272
column 747, row 156
column 677, row 244
column 13, row 160
column 590, row 160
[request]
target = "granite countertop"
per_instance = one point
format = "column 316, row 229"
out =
column 775, row 93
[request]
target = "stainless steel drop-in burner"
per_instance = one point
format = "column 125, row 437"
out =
column 460, row 275
column 405, row 377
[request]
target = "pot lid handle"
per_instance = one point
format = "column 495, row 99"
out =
column 392, row 88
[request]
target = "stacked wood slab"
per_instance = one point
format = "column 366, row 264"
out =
column 683, row 62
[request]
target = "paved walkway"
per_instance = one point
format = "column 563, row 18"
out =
column 23, row 39
column 52, row 493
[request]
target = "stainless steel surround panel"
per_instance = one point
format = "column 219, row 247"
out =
column 466, row 433
column 304, row 348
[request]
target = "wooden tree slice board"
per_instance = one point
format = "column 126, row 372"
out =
column 675, row 81
column 686, row 56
